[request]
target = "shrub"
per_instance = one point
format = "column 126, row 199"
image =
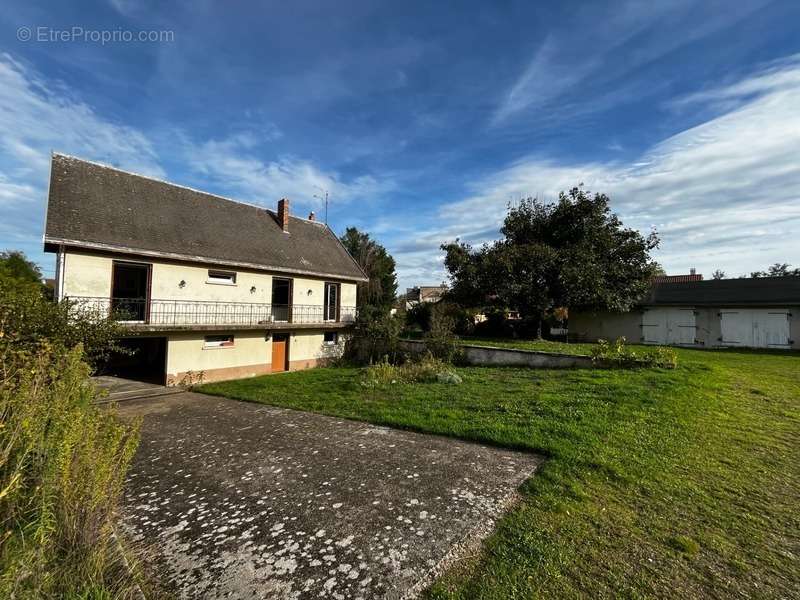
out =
column 440, row 340
column 620, row 354
column 375, row 334
column 62, row 468
column 427, row 370
column 27, row 317
column 418, row 317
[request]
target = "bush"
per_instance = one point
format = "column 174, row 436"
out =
column 375, row 334
column 440, row 340
column 620, row 354
column 62, row 460
column 62, row 468
column 427, row 370
column 27, row 317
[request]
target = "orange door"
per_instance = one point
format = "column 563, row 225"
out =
column 279, row 345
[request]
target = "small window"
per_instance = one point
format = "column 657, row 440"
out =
column 331, row 338
column 218, row 341
column 222, row 277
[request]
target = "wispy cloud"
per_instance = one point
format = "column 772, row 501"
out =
column 592, row 47
column 234, row 164
column 724, row 194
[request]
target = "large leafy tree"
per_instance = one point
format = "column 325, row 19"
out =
column 15, row 265
column 571, row 253
column 377, row 263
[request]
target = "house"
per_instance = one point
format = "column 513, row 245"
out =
column 424, row 293
column 759, row 312
column 203, row 284
column 692, row 276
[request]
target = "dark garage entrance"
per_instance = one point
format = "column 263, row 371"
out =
column 147, row 363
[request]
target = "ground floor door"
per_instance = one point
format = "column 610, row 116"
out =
column 755, row 328
column 672, row 326
column 280, row 352
column 142, row 359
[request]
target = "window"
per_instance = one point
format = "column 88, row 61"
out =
column 222, row 277
column 218, row 341
column 332, row 301
column 331, row 338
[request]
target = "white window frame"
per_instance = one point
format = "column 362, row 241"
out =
column 335, row 338
column 229, row 342
column 216, row 277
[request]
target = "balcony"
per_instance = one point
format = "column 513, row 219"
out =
column 174, row 315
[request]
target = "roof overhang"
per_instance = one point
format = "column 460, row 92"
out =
column 51, row 244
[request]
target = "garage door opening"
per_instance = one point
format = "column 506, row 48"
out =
column 147, row 362
column 756, row 328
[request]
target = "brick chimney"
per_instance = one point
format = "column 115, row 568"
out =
column 283, row 214
column 311, row 216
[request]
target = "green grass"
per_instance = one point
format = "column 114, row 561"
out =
column 681, row 483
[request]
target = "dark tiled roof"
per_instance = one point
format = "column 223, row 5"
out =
column 762, row 291
column 96, row 206
column 677, row 278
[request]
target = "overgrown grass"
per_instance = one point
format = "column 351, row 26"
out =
column 660, row 483
column 62, row 467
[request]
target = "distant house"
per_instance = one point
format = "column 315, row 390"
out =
column 424, row 293
column 753, row 313
column 203, row 283
column 678, row 278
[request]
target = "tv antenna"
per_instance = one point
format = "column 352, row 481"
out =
column 324, row 197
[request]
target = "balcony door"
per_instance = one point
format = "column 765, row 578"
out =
column 281, row 299
column 332, row 302
column 130, row 290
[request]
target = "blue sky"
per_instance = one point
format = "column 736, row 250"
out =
column 424, row 120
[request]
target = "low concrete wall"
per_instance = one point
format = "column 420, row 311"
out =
column 490, row 356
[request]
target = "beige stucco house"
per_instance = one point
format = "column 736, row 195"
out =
column 204, row 284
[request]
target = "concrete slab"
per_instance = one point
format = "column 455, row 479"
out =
column 242, row 500
column 120, row 389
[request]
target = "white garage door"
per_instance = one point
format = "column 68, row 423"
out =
column 668, row 326
column 755, row 328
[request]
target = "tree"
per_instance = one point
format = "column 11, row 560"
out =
column 777, row 270
column 15, row 265
column 718, row 274
column 573, row 253
column 379, row 266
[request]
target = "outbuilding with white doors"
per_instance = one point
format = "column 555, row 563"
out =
column 759, row 312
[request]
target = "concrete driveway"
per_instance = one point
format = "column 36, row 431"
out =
column 241, row 500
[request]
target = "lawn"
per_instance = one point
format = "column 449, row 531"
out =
column 680, row 483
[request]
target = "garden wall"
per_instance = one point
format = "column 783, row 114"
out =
column 489, row 356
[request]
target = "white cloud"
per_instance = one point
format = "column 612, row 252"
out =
column 37, row 117
column 232, row 164
column 724, row 194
